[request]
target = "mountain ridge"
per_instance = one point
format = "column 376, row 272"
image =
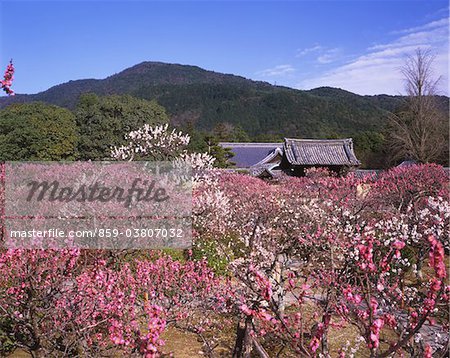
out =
column 207, row 98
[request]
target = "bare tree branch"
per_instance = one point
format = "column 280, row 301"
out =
column 419, row 130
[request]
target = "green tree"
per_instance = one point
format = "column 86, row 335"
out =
column 103, row 121
column 37, row 131
column 206, row 142
column 370, row 148
column 268, row 138
column 227, row 132
column 223, row 155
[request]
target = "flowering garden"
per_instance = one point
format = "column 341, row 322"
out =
column 282, row 267
column 320, row 266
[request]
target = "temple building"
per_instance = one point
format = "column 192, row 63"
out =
column 336, row 155
column 294, row 156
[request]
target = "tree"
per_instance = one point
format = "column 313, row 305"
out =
column 227, row 132
column 6, row 83
column 37, row 131
column 59, row 303
column 159, row 143
column 152, row 143
column 419, row 130
column 102, row 121
column 223, row 155
column 315, row 242
column 370, row 147
column 206, row 142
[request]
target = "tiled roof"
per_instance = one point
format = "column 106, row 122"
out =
column 407, row 163
column 364, row 173
column 274, row 156
column 258, row 170
column 248, row 154
column 320, row 152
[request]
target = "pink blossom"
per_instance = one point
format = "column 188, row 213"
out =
column 428, row 353
column 352, row 297
column 366, row 257
column 373, row 305
column 435, row 284
column 390, row 320
column 375, row 333
column 398, row 245
column 246, row 310
column 314, row 344
column 437, row 260
column 291, row 283
column 6, row 83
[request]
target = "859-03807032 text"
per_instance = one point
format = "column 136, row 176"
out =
column 100, row 232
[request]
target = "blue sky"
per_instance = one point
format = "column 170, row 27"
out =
column 355, row 45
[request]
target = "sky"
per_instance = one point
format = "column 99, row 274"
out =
column 358, row 46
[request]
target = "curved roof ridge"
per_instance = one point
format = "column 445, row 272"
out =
column 318, row 140
column 311, row 152
column 250, row 144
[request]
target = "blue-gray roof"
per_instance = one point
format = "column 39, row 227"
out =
column 248, row 154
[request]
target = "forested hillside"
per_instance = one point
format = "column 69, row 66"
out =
column 233, row 108
column 205, row 98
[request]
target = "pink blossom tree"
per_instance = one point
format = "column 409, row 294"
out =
column 8, row 78
column 318, row 241
column 73, row 302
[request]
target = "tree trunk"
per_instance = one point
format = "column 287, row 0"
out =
column 244, row 344
column 259, row 349
column 279, row 293
column 419, row 264
column 324, row 343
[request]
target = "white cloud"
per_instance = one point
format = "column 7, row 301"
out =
column 377, row 71
column 329, row 56
column 279, row 70
column 324, row 54
column 430, row 25
column 308, row 50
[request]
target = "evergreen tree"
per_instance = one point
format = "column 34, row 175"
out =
column 103, row 121
column 37, row 131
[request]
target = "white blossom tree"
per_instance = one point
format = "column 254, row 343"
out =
column 159, row 143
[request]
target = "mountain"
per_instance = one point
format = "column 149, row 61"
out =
column 206, row 98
